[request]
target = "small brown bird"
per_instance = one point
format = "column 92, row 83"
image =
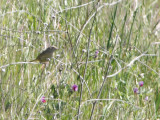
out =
column 45, row 55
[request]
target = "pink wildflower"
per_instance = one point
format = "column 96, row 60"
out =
column 141, row 83
column 43, row 100
column 135, row 90
column 75, row 88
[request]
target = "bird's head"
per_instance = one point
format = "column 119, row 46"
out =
column 53, row 48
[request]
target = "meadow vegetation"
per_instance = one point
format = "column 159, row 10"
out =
column 106, row 67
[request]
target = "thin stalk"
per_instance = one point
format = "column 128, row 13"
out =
column 105, row 79
column 88, row 46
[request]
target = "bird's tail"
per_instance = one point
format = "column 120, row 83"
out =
column 35, row 60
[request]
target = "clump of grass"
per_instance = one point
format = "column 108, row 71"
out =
column 107, row 50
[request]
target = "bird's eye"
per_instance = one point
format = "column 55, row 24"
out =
column 48, row 59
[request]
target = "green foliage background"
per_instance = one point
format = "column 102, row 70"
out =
column 79, row 28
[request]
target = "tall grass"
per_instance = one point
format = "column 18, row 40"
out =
column 105, row 48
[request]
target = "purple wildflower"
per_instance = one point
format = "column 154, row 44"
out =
column 146, row 98
column 135, row 90
column 96, row 53
column 43, row 99
column 75, row 88
column 141, row 83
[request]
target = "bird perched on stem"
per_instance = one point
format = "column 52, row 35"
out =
column 45, row 56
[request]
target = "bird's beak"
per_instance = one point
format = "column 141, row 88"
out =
column 55, row 47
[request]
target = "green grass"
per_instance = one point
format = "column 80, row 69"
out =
column 121, row 32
